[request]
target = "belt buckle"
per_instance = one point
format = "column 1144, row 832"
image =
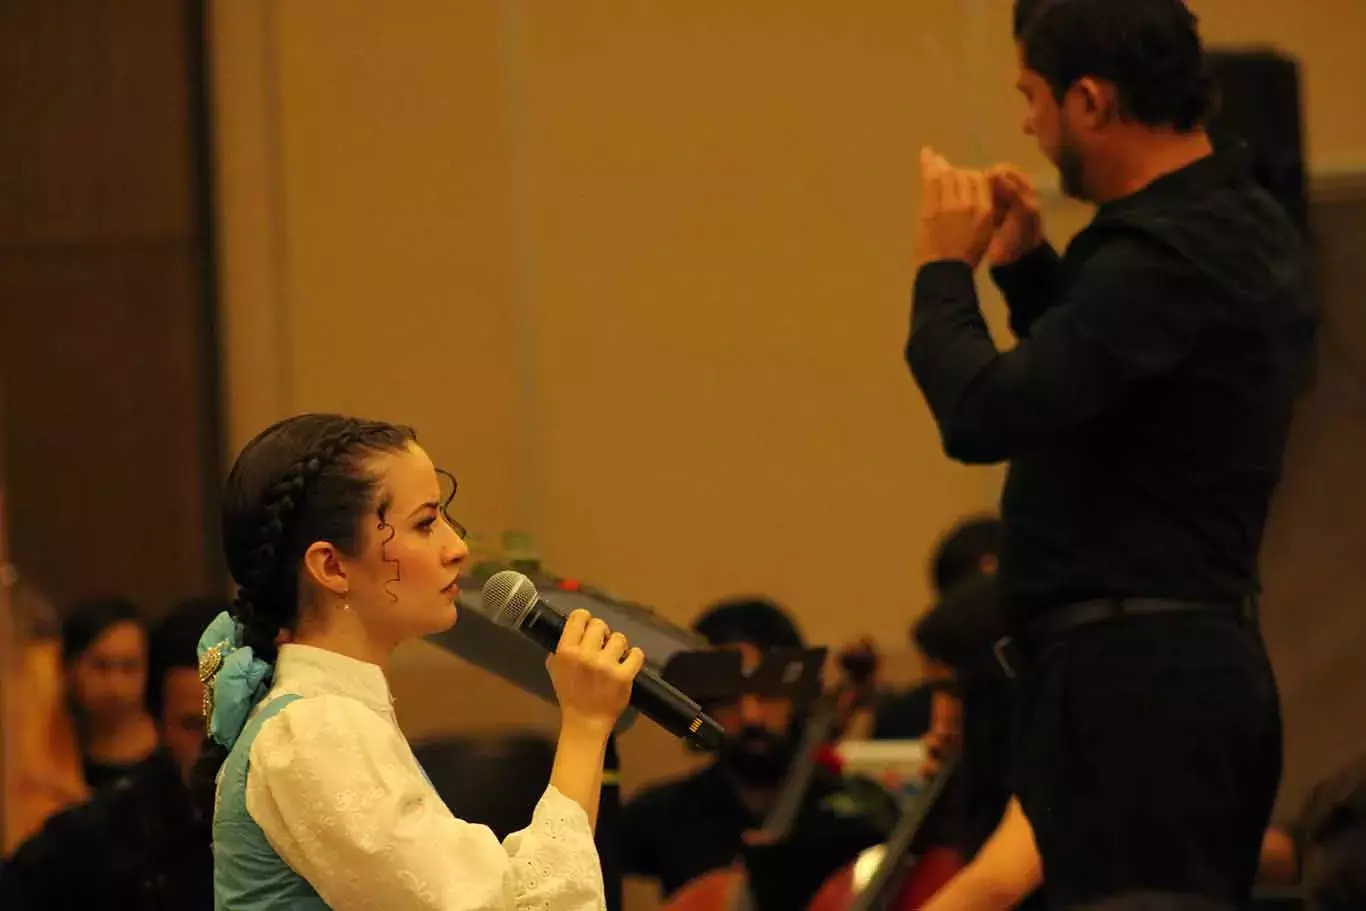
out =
column 999, row 649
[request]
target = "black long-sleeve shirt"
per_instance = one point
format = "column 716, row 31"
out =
column 1146, row 405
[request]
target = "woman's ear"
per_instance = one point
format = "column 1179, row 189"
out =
column 324, row 566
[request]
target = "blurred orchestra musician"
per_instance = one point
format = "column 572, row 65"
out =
column 42, row 763
column 685, row 833
column 104, row 652
column 968, row 698
column 961, row 631
column 1316, row 861
column 139, row 843
column 1320, row 853
column 969, row 549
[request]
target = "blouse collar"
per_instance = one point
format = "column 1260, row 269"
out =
column 312, row 671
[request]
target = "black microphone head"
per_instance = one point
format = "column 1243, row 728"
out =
column 508, row 597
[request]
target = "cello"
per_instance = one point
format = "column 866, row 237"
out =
column 900, row 880
column 728, row 889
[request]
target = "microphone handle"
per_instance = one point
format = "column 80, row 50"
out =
column 651, row 695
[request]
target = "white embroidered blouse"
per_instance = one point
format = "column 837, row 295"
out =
column 339, row 795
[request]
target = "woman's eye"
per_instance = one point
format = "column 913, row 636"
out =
column 425, row 526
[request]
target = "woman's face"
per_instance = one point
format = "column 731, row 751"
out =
column 401, row 583
column 109, row 678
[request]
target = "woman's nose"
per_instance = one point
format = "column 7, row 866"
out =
column 456, row 550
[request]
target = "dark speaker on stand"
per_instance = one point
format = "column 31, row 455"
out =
column 1257, row 106
column 1257, row 103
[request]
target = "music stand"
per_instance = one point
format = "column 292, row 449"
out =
column 717, row 675
column 681, row 656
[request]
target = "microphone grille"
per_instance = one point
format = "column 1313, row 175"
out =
column 507, row 597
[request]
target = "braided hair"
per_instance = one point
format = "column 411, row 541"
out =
column 299, row 481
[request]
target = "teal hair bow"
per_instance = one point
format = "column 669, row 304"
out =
column 234, row 679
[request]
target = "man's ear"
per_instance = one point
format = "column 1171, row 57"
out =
column 324, row 566
column 1097, row 102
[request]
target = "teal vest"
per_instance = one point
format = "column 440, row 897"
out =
column 247, row 873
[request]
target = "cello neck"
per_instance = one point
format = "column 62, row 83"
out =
column 888, row 876
column 782, row 816
column 831, row 715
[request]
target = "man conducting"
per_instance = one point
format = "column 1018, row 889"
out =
column 1144, row 411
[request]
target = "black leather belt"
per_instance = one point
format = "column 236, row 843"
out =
column 1056, row 621
column 1063, row 618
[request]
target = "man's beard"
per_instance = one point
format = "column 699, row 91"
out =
column 757, row 756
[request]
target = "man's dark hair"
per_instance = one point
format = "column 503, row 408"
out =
column 174, row 644
column 959, row 553
column 1149, row 50
column 757, row 621
column 964, row 624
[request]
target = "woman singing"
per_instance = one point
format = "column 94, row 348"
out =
column 336, row 534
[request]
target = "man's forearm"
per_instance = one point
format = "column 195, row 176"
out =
column 948, row 348
column 1031, row 286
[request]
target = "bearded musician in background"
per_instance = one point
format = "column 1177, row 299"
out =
column 676, row 832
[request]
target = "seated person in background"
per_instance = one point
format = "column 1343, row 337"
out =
column 970, row 548
column 104, row 653
column 42, row 763
column 678, row 831
column 961, row 632
column 1323, row 851
column 138, row 843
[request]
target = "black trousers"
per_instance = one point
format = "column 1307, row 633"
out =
column 1148, row 754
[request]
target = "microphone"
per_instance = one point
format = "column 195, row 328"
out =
column 511, row 601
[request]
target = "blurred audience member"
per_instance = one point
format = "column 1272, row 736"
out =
column 1321, row 854
column 969, row 549
column 139, row 843
column 1323, row 850
column 961, row 631
column 691, row 834
column 42, row 765
column 104, row 650
column 175, row 697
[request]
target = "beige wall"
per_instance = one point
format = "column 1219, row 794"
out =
column 639, row 273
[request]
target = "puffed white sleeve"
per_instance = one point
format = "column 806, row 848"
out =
column 339, row 797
